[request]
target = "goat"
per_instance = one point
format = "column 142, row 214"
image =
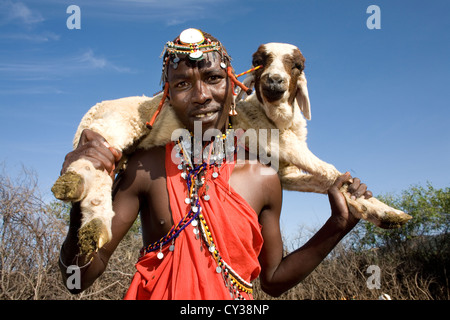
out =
column 122, row 122
column 280, row 98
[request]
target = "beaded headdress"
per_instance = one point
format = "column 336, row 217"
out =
column 194, row 44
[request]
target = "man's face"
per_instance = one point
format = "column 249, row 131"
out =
column 200, row 91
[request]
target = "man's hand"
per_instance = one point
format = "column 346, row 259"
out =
column 93, row 147
column 339, row 208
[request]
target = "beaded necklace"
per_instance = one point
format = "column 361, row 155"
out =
column 196, row 177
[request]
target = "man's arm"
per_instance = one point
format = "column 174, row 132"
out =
column 278, row 273
column 125, row 204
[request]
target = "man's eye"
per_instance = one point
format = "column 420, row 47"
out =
column 181, row 84
column 215, row 78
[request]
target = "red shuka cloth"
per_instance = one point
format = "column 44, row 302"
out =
column 189, row 273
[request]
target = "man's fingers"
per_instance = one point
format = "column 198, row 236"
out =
column 355, row 188
column 93, row 147
column 358, row 189
column 104, row 155
column 89, row 135
column 361, row 190
column 368, row 194
column 116, row 153
column 346, row 177
column 354, row 185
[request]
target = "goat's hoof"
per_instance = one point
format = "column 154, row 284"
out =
column 92, row 236
column 375, row 211
column 393, row 220
column 68, row 187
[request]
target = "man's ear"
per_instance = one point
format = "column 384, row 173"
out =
column 302, row 97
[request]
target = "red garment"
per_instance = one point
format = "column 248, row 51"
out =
column 189, row 273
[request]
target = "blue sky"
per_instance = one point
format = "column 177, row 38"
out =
column 379, row 98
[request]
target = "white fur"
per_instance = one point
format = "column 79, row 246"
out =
column 299, row 168
column 122, row 123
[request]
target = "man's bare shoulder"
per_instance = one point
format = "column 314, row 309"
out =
column 146, row 159
column 257, row 183
column 142, row 167
column 258, row 171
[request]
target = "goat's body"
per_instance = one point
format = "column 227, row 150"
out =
column 280, row 99
column 299, row 169
column 122, row 123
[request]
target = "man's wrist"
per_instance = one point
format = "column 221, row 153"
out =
column 71, row 256
column 342, row 224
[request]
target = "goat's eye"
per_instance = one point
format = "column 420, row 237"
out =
column 257, row 62
column 297, row 66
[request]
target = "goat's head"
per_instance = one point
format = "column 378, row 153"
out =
column 281, row 81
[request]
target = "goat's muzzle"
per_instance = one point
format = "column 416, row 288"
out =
column 273, row 87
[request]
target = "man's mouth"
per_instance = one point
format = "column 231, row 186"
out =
column 206, row 115
column 202, row 115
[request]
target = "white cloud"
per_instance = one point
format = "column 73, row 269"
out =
column 18, row 12
column 20, row 23
column 89, row 60
column 168, row 12
column 31, row 90
column 31, row 37
column 44, row 75
column 58, row 68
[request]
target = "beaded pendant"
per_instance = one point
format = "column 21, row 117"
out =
column 195, row 180
column 196, row 177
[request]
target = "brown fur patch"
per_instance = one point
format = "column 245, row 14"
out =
column 260, row 57
column 294, row 65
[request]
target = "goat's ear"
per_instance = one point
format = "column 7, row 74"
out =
column 249, row 82
column 302, row 97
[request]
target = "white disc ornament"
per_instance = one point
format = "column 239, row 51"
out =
column 191, row 36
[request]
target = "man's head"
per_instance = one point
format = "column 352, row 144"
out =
column 196, row 76
column 200, row 91
column 195, row 68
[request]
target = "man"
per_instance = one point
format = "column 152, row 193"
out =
column 209, row 228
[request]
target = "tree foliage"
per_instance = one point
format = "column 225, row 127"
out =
column 30, row 236
column 429, row 207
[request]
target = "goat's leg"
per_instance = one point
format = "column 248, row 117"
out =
column 375, row 211
column 92, row 188
column 294, row 179
column 320, row 181
column 305, row 160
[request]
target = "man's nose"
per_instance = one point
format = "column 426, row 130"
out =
column 201, row 93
